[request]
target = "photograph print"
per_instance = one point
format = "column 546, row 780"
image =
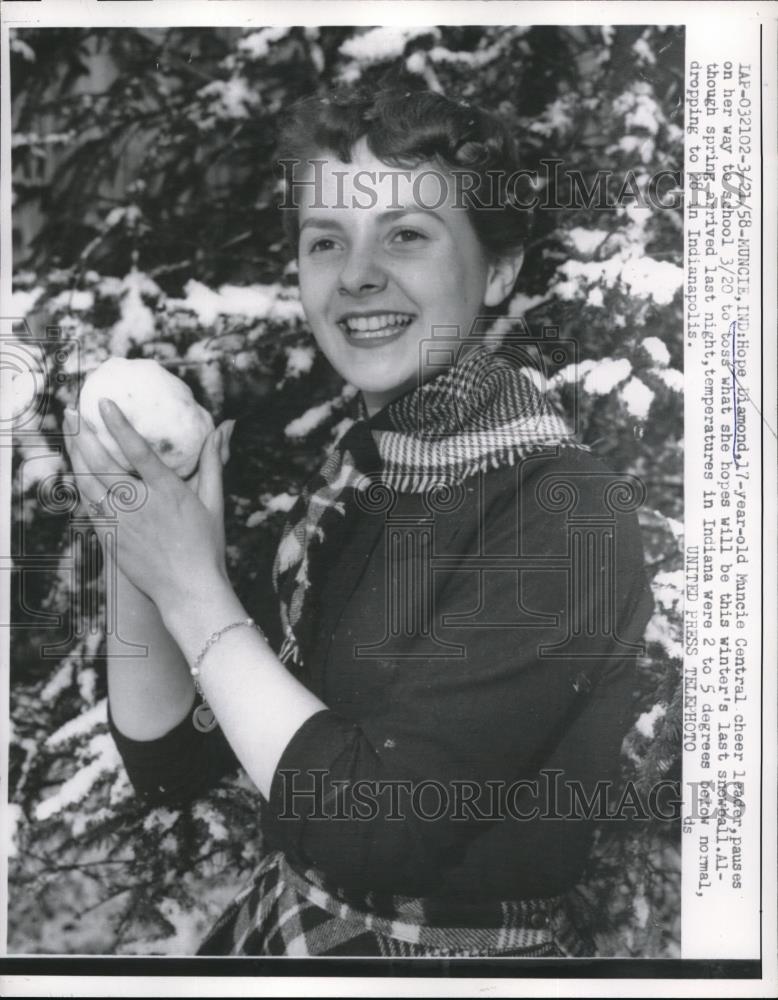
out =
column 347, row 502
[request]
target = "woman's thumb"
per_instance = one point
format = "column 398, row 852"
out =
column 224, row 431
column 209, row 486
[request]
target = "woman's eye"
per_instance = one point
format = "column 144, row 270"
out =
column 409, row 235
column 323, row 244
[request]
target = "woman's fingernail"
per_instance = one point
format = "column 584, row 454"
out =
column 106, row 405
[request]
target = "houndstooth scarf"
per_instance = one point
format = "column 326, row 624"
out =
column 482, row 413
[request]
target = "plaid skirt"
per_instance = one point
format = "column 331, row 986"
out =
column 284, row 912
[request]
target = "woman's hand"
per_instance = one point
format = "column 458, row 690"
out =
column 168, row 535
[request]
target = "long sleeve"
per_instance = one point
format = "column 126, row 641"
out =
column 370, row 790
column 179, row 766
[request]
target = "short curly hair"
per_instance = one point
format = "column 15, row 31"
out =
column 407, row 128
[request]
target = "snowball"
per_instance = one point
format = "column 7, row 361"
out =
column 606, row 375
column 159, row 405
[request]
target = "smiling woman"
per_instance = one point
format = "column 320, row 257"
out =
column 376, row 280
column 394, row 236
column 456, row 670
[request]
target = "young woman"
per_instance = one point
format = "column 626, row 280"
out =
column 460, row 587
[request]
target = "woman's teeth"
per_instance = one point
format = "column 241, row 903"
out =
column 368, row 327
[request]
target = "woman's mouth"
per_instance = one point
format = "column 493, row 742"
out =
column 375, row 327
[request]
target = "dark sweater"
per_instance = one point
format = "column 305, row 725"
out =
column 458, row 652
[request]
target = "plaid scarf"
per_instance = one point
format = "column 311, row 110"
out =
column 481, row 413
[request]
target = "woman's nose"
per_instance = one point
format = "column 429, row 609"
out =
column 361, row 274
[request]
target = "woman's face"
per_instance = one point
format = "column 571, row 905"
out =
column 379, row 268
